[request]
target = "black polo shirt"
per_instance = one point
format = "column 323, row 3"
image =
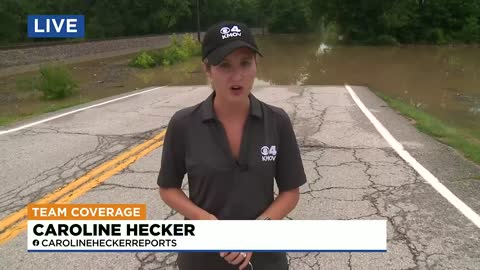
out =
column 196, row 144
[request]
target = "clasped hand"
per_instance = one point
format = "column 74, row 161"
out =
column 236, row 258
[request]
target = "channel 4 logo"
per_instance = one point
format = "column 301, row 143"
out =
column 56, row 26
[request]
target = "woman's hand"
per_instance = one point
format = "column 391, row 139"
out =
column 236, row 258
column 207, row 216
column 176, row 199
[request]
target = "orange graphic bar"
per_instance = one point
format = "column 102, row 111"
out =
column 87, row 212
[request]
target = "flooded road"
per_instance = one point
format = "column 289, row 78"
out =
column 442, row 80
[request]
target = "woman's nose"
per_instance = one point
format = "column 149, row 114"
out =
column 237, row 74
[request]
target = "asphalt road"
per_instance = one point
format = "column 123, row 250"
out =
column 353, row 173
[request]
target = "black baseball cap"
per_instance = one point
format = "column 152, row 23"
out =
column 223, row 38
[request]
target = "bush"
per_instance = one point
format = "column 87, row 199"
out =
column 386, row 40
column 157, row 56
column 56, row 81
column 143, row 60
column 436, row 36
column 173, row 54
column 179, row 50
column 470, row 31
column 190, row 44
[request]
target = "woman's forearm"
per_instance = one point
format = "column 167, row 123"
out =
column 282, row 205
column 176, row 199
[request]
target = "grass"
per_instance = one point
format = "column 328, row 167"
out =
column 45, row 108
column 465, row 141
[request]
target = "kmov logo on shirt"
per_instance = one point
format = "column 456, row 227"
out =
column 56, row 26
column 268, row 153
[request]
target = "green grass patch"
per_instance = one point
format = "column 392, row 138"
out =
column 467, row 142
column 45, row 108
column 7, row 119
column 180, row 49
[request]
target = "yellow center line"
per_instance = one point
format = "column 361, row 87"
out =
column 81, row 185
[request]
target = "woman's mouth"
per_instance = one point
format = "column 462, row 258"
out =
column 236, row 89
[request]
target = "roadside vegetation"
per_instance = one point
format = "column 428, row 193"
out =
column 53, row 85
column 47, row 106
column 180, row 49
column 466, row 141
column 54, row 81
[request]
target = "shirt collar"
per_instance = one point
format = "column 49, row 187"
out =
column 208, row 113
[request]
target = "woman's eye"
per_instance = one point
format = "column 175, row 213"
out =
column 246, row 63
column 224, row 65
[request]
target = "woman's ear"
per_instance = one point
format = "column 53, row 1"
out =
column 206, row 69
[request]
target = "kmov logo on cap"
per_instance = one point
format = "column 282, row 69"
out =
column 56, row 26
column 230, row 32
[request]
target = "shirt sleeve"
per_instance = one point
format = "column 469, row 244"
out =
column 172, row 168
column 289, row 172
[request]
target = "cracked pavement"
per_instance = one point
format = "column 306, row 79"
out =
column 352, row 174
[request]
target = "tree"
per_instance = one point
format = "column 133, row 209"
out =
column 11, row 15
column 290, row 16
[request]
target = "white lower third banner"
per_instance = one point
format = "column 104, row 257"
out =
column 196, row 235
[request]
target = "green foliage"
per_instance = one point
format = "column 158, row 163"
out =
column 290, row 16
column 368, row 21
column 180, row 49
column 329, row 33
column 56, row 82
column 172, row 55
column 436, row 36
column 143, row 60
column 190, row 44
column 12, row 27
column 406, row 21
column 53, row 82
column 385, row 40
column 471, row 30
column 213, row 11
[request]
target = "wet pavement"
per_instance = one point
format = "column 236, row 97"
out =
column 352, row 174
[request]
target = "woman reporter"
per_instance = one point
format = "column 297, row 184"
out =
column 233, row 148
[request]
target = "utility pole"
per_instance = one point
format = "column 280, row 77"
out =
column 198, row 21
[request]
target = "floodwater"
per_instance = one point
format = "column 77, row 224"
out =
column 442, row 80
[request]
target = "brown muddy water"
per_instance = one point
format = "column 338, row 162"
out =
column 442, row 80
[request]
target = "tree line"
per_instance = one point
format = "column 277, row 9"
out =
column 357, row 21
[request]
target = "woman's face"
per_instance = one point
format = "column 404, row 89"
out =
column 233, row 78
